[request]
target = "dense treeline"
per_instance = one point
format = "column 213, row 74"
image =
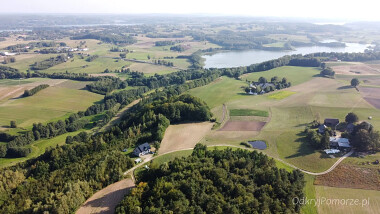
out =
column 67, row 75
column 34, row 90
column 349, row 57
column 240, row 40
column 106, row 85
column 32, row 45
column 179, row 77
column 117, row 39
column 305, row 62
column 45, row 64
column 163, row 62
column 10, row 73
column 218, row 181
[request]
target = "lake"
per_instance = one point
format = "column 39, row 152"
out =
column 247, row 57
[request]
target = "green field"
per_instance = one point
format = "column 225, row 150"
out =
column 281, row 95
column 50, row 103
column 38, row 148
column 319, row 98
column 372, row 196
column 248, row 112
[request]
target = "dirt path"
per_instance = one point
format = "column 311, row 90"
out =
column 106, row 200
column 116, row 119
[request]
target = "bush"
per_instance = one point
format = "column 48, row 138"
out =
column 13, row 124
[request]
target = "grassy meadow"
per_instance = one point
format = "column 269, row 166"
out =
column 49, row 104
column 290, row 110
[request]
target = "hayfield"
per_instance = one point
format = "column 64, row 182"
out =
column 315, row 98
column 248, row 112
column 280, row 95
column 243, row 126
column 183, row 136
column 346, row 193
column 48, row 104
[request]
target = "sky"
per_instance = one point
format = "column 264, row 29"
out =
column 366, row 10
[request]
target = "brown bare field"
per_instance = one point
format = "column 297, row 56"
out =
column 243, row 126
column 371, row 95
column 359, row 69
column 106, row 200
column 183, row 136
column 350, row 176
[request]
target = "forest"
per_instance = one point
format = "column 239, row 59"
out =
column 62, row 178
column 104, row 36
column 216, row 181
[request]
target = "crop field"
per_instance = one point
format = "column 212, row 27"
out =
column 350, row 176
column 248, row 112
column 183, row 136
column 357, row 69
column 371, row 95
column 48, row 104
column 280, row 95
column 312, row 98
column 151, row 69
column 243, row 126
column 364, row 206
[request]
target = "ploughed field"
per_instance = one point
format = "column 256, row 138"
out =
column 243, row 126
column 371, row 95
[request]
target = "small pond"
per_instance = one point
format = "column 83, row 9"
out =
column 258, row 144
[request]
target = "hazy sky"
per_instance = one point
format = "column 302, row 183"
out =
column 331, row 9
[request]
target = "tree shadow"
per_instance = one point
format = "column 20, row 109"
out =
column 301, row 125
column 109, row 201
column 344, row 87
column 304, row 149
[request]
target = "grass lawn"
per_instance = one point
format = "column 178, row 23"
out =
column 78, row 65
column 48, row 104
column 220, row 91
column 294, row 149
column 248, row 112
column 280, row 95
column 309, row 191
column 12, row 82
column 345, row 193
column 293, row 74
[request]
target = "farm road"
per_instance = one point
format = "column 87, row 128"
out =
column 105, row 201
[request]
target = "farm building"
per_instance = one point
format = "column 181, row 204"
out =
column 339, row 142
column 142, row 149
column 331, row 122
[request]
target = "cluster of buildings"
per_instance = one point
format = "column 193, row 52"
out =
column 337, row 143
column 263, row 87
